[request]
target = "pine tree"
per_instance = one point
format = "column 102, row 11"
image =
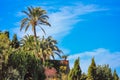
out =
column 15, row 42
column 115, row 76
column 83, row 76
column 92, row 71
column 75, row 72
column 7, row 33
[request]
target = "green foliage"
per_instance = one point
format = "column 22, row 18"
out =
column 4, row 42
column 48, row 64
column 104, row 72
column 115, row 76
column 20, row 59
column 4, row 52
column 27, row 43
column 48, row 48
column 35, row 17
column 92, row 71
column 15, row 42
column 64, row 76
column 75, row 72
column 83, row 76
column 7, row 33
column 26, row 62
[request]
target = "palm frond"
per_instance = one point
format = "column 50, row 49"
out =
column 53, row 56
column 41, row 11
column 58, row 54
column 42, row 30
column 45, row 22
column 27, row 26
column 30, row 9
column 23, row 23
column 26, row 13
column 45, row 17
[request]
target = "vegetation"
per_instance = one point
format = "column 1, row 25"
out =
column 75, row 72
column 27, row 59
column 92, row 71
column 35, row 17
column 115, row 75
column 15, row 42
column 104, row 72
column 24, row 63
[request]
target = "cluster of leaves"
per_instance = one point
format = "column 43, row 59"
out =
column 45, row 48
column 63, row 68
column 4, row 41
column 25, row 59
column 98, row 72
column 92, row 71
column 35, row 16
column 21, row 55
column 25, row 56
column 26, row 62
column 15, row 43
column 75, row 72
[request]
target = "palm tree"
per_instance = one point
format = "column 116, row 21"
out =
column 28, row 43
column 35, row 17
column 47, row 48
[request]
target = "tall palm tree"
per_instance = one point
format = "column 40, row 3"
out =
column 35, row 17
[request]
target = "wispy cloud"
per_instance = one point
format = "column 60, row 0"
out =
column 63, row 20
column 101, row 55
column 19, row 14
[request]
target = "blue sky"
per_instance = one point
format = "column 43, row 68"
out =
column 83, row 28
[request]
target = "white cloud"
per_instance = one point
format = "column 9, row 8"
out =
column 63, row 20
column 101, row 55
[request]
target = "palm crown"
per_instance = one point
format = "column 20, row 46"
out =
column 35, row 17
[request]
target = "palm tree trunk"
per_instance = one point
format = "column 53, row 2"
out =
column 35, row 35
column 35, row 39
